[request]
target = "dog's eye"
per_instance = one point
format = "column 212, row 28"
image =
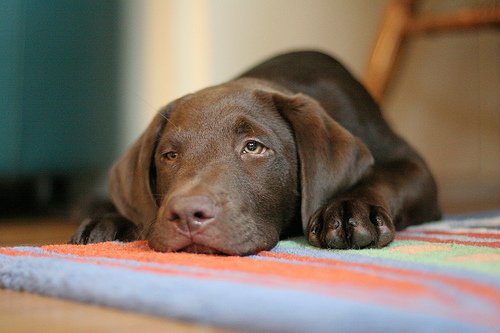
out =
column 254, row 147
column 169, row 156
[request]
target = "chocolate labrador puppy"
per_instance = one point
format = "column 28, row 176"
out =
column 294, row 145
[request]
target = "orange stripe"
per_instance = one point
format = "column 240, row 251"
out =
column 10, row 252
column 493, row 245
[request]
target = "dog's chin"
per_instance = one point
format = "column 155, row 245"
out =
column 198, row 248
column 201, row 248
column 213, row 245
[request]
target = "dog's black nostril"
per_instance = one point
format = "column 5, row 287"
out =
column 174, row 217
column 199, row 215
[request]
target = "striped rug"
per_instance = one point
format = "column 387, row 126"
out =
column 439, row 277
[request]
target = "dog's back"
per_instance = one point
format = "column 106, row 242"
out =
column 346, row 100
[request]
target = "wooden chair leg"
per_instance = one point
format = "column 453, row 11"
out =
column 465, row 19
column 387, row 46
column 400, row 22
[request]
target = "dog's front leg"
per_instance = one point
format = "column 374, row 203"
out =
column 393, row 196
column 102, row 223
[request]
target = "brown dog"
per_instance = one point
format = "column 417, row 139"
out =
column 295, row 144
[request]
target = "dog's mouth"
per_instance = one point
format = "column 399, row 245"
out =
column 198, row 248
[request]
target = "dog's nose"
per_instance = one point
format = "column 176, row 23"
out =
column 193, row 210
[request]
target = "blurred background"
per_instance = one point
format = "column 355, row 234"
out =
column 81, row 79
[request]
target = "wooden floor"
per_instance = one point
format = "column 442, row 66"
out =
column 23, row 312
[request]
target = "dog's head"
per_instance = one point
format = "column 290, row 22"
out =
column 230, row 168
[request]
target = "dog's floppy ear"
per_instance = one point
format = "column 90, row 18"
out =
column 331, row 158
column 132, row 177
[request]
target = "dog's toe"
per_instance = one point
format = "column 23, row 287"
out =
column 350, row 223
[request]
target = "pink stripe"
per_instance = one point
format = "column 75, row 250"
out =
column 493, row 245
column 458, row 233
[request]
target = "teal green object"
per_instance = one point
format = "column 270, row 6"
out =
column 58, row 86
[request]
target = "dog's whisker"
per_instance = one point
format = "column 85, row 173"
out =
column 144, row 233
column 144, row 101
column 153, row 108
column 170, row 122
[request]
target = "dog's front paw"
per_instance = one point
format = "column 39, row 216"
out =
column 109, row 227
column 348, row 223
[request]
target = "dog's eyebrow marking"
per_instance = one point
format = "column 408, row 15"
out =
column 243, row 126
